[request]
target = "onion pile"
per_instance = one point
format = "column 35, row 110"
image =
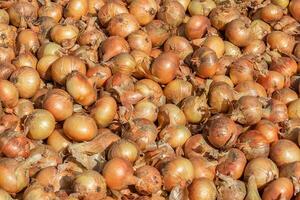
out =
column 150, row 99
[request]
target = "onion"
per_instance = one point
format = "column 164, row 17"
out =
column 141, row 131
column 51, row 9
column 122, row 25
column 40, row 124
column 222, row 132
column 143, row 62
column 271, row 13
column 7, row 54
column 10, row 122
column 43, row 66
column 28, row 39
column 229, row 188
column 231, row 49
column 90, row 184
column 58, row 141
column 149, row 180
column 123, row 149
column 275, row 111
column 36, row 191
column 205, row 61
column 196, row 27
column 263, row 169
column 65, row 35
column 238, row 32
column 248, row 110
column 59, row 103
column 170, row 114
column 25, row 59
column 255, row 47
column 259, row 29
column 176, row 136
column 143, row 10
column 284, row 152
column 281, row 3
column 272, row 81
column 290, row 130
column 215, row 43
column 178, row 171
column 241, row 70
column 202, row 188
column 177, row 90
column 104, row 111
column 268, row 130
column 94, row 6
column 9, row 94
column 222, row 15
column 164, row 67
column 76, row 9
column 158, row 32
column 232, row 163
column 284, row 65
column 98, row 75
column 252, row 191
column 4, row 17
column 113, row 46
column 281, row 41
column 49, row 49
column 171, row 12
column 14, row 144
column 23, row 108
column 64, row 66
column 5, row 195
column 26, row 80
column 251, row 88
column 293, row 112
column 151, row 90
column 21, row 13
column 118, row 174
column 196, row 7
column 110, row 10
column 145, row 109
column 15, row 173
column 178, row 45
column 294, row 9
column 253, row 144
column 9, row 34
column 195, row 108
column 140, row 40
column 196, row 146
column 280, row 188
column 203, row 168
column 80, row 127
column 123, row 63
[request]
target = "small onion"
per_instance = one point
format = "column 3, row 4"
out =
column 140, row 40
column 158, row 32
column 170, row 114
column 176, row 136
column 123, row 63
column 9, row 94
column 238, row 32
column 178, row 45
column 195, row 108
column 122, row 25
column 201, row 189
column 22, row 12
column 284, row 65
column 28, row 39
column 151, row 90
column 272, row 81
column 263, row 169
column 251, row 88
column 149, row 180
column 123, row 149
column 222, row 15
column 80, row 127
column 25, row 59
column 285, row 95
column 271, row 13
column 51, row 9
column 268, row 130
column 49, row 49
column 4, row 17
column 110, row 10
column 7, row 54
column 44, row 66
column 94, row 6
column 280, row 188
column 241, row 70
column 215, row 43
column 98, row 75
column 76, row 9
column 196, row 27
column 294, row 9
column 23, row 108
column 255, row 47
column 281, row 41
column 36, row 191
column 231, row 49
column 293, row 109
column 143, row 10
column 196, row 7
column 26, row 80
column 146, row 109
column 59, row 103
column 177, row 171
column 104, row 111
column 177, row 90
column 204, row 168
column 171, row 12
column 112, row 46
column 65, row 35
column 58, row 141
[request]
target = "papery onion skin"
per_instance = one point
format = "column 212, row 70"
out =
column 171, row 12
column 44, row 66
column 177, row 90
column 150, row 180
column 40, row 124
column 23, row 108
column 280, row 188
column 201, row 189
column 58, row 141
column 203, row 168
column 122, row 25
column 80, row 127
column 65, row 35
column 177, row 172
column 9, row 94
column 158, row 32
column 14, row 144
column 170, row 114
column 143, row 10
column 281, row 41
column 36, row 191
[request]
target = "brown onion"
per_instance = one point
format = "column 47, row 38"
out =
column 140, row 40
column 98, row 75
column 123, row 63
column 196, row 7
column 36, row 191
column 281, row 41
column 222, row 132
column 4, row 17
column 9, row 94
column 76, row 9
column 284, row 65
column 158, row 32
column 272, row 81
column 49, row 49
column 112, row 46
column 64, row 66
column 275, row 111
column 222, row 15
column 59, row 103
column 237, row 32
column 171, row 12
column 293, row 109
column 9, row 35
column 104, row 111
column 232, row 163
column 44, row 66
column 280, row 188
column 23, row 108
column 177, row 90
column 58, row 141
column 122, row 25
column 215, row 43
column 151, row 90
column 253, row 144
column 195, row 108
column 251, row 88
column 263, row 169
column 178, row 171
column 110, row 10
column 123, row 149
column 228, row 188
column 285, row 95
column 196, row 27
column 14, row 144
column 203, row 167
column 255, row 47
column 259, row 29
column 170, row 114
column 271, row 13
column 146, row 109
column 201, row 189
column 118, row 174
column 94, row 6
column 80, row 127
column 149, row 180
column 28, row 39
column 51, row 9
column 164, row 67
column 268, row 130
column 25, row 59
column 176, row 136
column 241, row 70
column 40, row 124
column 220, row 96
column 284, row 152
column 178, row 45
column 65, row 35
column 143, row 62
column 143, row 10
column 26, row 80
column 294, row 9
column 231, row 49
